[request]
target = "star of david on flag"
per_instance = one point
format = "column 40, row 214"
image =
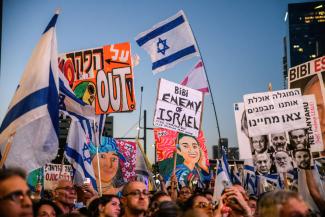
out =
column 168, row 42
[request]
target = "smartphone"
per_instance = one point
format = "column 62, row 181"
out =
column 86, row 180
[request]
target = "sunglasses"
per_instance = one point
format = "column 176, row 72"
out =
column 203, row 205
column 17, row 196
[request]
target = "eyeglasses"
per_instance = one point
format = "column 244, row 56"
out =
column 137, row 193
column 17, row 196
column 203, row 205
column 67, row 188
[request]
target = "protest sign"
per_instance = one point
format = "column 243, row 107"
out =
column 273, row 112
column 178, row 108
column 242, row 131
column 192, row 157
column 54, row 172
column 102, row 77
column 313, row 125
column 309, row 76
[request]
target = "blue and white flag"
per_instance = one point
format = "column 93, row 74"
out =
column 250, row 183
column 77, row 153
column 221, row 182
column 33, row 114
column 168, row 42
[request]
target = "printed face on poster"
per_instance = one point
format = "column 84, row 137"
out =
column 178, row 108
column 101, row 77
column 192, row 157
column 309, row 76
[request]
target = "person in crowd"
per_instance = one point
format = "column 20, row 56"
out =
column 279, row 141
column 235, row 200
column 65, row 196
column 199, row 202
column 262, row 163
column 135, row 199
column 259, row 144
column 15, row 200
column 252, row 203
column 156, row 199
column 208, row 194
column 109, row 160
column 302, row 158
column 46, row 208
column 282, row 203
column 84, row 193
column 184, row 194
column 282, row 161
column 315, row 191
column 166, row 209
column 298, row 139
column 105, row 206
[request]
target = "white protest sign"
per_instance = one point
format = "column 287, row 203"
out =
column 53, row 173
column 242, row 131
column 313, row 126
column 273, row 112
column 178, row 108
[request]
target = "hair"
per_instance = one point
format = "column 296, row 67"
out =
column 11, row 172
column 93, row 207
column 39, row 204
column 270, row 203
column 190, row 201
column 157, row 195
column 126, row 187
column 166, row 209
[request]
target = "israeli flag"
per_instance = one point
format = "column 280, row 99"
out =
column 250, row 183
column 168, row 42
column 77, row 153
column 32, row 118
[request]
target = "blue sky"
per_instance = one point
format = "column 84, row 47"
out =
column 240, row 42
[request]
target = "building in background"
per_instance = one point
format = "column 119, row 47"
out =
column 305, row 39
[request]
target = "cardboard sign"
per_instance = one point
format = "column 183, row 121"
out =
column 178, row 108
column 102, row 77
column 272, row 112
column 310, row 77
column 54, row 172
column 242, row 131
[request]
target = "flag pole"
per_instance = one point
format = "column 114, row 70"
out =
column 98, row 164
column 7, row 149
column 206, row 74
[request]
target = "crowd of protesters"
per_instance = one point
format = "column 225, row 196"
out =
column 16, row 199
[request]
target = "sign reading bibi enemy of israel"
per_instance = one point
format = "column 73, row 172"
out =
column 274, row 112
column 178, row 108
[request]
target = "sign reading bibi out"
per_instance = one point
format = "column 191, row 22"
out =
column 101, row 77
column 271, row 112
column 178, row 108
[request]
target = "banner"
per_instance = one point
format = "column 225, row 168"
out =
column 242, row 131
column 271, row 112
column 54, row 172
column 310, row 77
column 178, row 108
column 102, row 77
column 192, row 157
